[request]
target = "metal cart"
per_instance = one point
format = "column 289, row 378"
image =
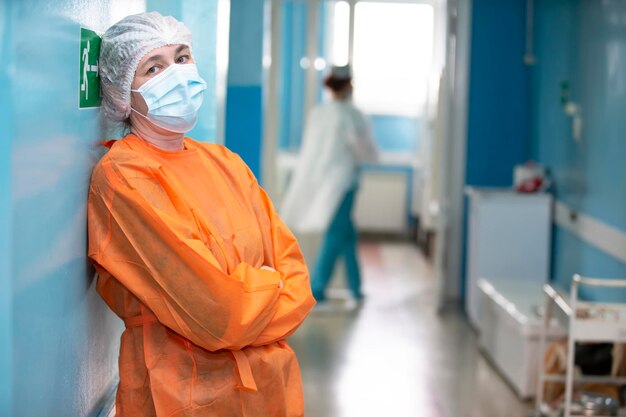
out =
column 592, row 322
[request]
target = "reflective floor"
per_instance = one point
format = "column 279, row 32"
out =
column 394, row 356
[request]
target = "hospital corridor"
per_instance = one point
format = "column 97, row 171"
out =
column 312, row 208
column 395, row 355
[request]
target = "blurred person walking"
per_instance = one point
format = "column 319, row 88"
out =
column 337, row 140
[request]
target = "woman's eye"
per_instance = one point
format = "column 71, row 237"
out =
column 152, row 70
column 182, row 59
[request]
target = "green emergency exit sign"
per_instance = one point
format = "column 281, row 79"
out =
column 89, row 88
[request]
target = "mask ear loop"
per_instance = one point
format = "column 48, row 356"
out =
column 142, row 115
column 133, row 109
column 152, row 122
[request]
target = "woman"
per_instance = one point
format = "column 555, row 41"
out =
column 189, row 250
column 321, row 195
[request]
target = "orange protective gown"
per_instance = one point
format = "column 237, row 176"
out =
column 178, row 240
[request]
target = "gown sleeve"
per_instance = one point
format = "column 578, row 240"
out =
column 173, row 272
column 295, row 300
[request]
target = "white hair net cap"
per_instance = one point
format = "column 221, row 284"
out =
column 123, row 46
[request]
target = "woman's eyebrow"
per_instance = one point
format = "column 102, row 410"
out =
column 152, row 59
column 181, row 48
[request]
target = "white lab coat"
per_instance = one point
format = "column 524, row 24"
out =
column 337, row 139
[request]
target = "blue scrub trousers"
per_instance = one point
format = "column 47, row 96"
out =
column 340, row 240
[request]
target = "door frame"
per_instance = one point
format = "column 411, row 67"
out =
column 450, row 233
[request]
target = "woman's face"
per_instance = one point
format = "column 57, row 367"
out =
column 152, row 64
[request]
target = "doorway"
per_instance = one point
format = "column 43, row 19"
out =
column 427, row 146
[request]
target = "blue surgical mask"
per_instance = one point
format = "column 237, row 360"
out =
column 174, row 97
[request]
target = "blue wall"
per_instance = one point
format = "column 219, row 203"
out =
column 244, row 124
column 292, row 76
column 583, row 43
column 6, row 133
column 58, row 340
column 63, row 339
column 244, row 94
column 499, row 93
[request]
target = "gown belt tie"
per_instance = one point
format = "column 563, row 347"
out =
column 245, row 372
column 243, row 364
column 138, row 321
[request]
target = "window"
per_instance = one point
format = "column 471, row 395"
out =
column 393, row 49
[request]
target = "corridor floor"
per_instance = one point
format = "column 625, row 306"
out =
column 394, row 355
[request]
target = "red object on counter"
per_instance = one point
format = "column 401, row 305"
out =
column 530, row 186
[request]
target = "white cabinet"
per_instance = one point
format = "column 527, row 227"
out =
column 508, row 238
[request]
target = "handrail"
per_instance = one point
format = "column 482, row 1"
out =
column 600, row 282
column 558, row 299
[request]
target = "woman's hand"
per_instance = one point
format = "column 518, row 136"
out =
column 269, row 268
